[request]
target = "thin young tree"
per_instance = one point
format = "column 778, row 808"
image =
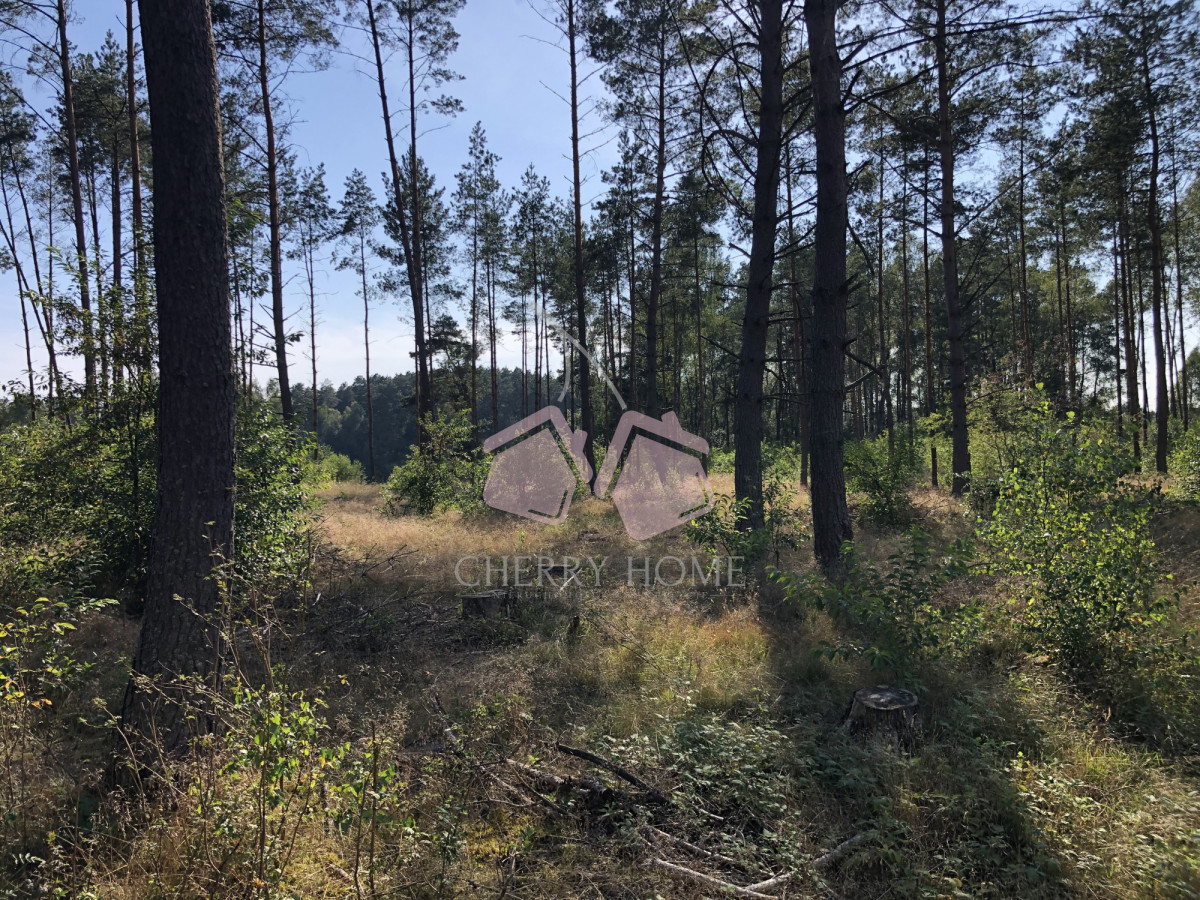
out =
column 359, row 217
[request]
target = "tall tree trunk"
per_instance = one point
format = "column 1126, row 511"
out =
column 274, row 230
column 656, row 235
column 116, row 316
column 885, row 377
column 193, row 521
column 1184, row 399
column 1131, row 357
column 362, row 259
column 475, row 317
column 311, row 275
column 81, row 263
column 748, row 412
column 584, row 388
column 831, row 517
column 416, row 271
column 412, row 265
column 490, row 287
column 930, row 402
column 141, row 286
column 961, row 454
column 1154, row 221
column 1072, row 359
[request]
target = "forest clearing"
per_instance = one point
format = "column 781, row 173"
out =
column 762, row 462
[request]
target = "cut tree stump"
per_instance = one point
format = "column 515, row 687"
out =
column 882, row 708
column 486, row 604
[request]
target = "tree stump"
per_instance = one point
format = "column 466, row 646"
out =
column 486, row 604
column 882, row 708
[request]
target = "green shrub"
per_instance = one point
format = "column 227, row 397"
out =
column 447, row 472
column 1185, row 464
column 330, row 467
column 271, row 537
column 38, row 667
column 726, row 528
column 1073, row 534
column 893, row 615
column 883, row 474
column 77, row 500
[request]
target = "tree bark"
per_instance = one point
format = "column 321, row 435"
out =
column 831, row 516
column 85, row 303
column 1154, row 221
column 274, row 231
column 960, row 449
column 656, row 237
column 416, row 271
column 747, row 413
column 193, row 522
column 584, row 386
column 412, row 264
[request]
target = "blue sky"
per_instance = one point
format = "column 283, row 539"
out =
column 504, row 58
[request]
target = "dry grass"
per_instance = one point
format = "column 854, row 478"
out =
column 1017, row 771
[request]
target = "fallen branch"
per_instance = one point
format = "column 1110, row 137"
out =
column 708, row 880
column 595, row 792
column 658, row 833
column 834, row 856
column 772, row 883
column 656, row 795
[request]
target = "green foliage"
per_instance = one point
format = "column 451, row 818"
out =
column 271, row 539
column 1073, row 534
column 1185, row 464
column 448, row 472
column 883, row 473
column 894, row 614
column 77, row 500
column 330, row 467
column 37, row 667
column 725, row 529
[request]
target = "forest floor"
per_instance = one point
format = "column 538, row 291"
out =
column 1021, row 783
column 1018, row 782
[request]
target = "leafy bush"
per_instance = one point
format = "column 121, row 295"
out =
column 271, row 537
column 883, row 474
column 1185, row 464
column 77, row 500
column 1074, row 536
column 447, row 472
column 37, row 668
column 328, row 466
column 895, row 613
column 726, row 528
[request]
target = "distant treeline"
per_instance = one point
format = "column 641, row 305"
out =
column 342, row 413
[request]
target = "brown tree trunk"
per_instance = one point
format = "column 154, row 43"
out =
column 656, row 238
column 362, row 259
column 416, row 271
column 961, row 453
column 752, row 361
column 273, row 230
column 85, row 302
column 412, row 264
column 584, row 387
column 193, row 522
column 831, row 517
column 1154, row 221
